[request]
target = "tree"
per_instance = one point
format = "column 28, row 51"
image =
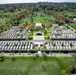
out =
column 72, row 69
column 18, row 33
column 61, row 22
column 32, row 19
column 5, row 28
column 26, row 23
column 74, row 55
column 44, row 55
column 2, row 56
column 48, row 24
column 13, row 58
column 21, row 26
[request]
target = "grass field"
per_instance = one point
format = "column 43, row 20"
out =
column 42, row 18
column 38, row 66
column 69, row 14
column 73, row 25
column 3, row 20
column 38, row 18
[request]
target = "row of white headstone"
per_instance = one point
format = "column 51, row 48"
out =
column 11, row 33
column 61, row 32
column 16, row 45
column 61, row 45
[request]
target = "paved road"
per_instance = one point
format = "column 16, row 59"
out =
column 28, row 55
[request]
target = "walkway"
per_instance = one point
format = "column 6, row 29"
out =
column 28, row 55
column 39, row 38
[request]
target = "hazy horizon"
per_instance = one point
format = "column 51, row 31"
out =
column 32, row 1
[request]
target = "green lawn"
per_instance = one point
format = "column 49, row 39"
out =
column 39, row 18
column 73, row 25
column 42, row 18
column 3, row 20
column 69, row 14
column 38, row 66
column 46, row 38
column 65, row 62
column 35, row 29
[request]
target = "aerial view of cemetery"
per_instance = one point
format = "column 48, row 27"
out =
column 38, row 38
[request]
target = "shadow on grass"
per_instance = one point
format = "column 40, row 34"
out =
column 13, row 59
column 2, row 59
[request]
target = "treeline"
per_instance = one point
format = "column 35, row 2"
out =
column 14, row 21
column 41, row 5
column 58, row 6
column 60, row 19
column 6, row 15
column 15, row 7
column 16, row 17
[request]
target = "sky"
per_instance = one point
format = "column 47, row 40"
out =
column 28, row 1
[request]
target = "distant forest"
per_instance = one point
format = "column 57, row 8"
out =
column 13, row 14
